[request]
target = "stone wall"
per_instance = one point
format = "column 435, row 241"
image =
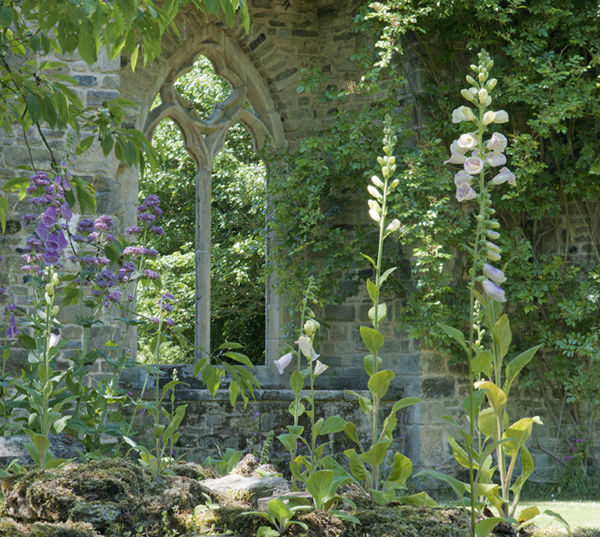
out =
column 285, row 37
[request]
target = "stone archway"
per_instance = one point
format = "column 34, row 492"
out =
column 250, row 102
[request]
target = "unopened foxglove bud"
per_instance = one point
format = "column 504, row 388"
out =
column 55, row 310
column 374, row 215
column 393, row 226
column 376, row 181
column 492, row 234
column 374, row 192
column 395, row 183
column 471, row 80
column 374, row 206
column 488, row 117
column 491, row 84
column 380, row 161
column 385, row 171
column 483, row 95
column 310, row 327
column 467, row 95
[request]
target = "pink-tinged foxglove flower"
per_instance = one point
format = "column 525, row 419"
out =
column 456, row 158
column 495, row 159
column 504, row 176
column 462, row 113
column 283, row 362
column 501, row 116
column 462, row 177
column 319, row 368
column 464, row 192
column 473, row 165
column 494, row 274
column 493, row 291
column 497, row 142
column 466, row 141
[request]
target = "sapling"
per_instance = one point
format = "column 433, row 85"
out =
column 491, row 442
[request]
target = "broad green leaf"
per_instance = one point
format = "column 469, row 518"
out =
column 234, row 390
column 27, row 342
column 484, row 527
column 333, row 424
column 482, row 363
column 421, row 499
column 60, row 424
column 134, row 57
column 33, row 107
column 296, row 381
column 365, row 404
column 386, row 275
column 405, row 402
column 559, row 518
column 356, row 465
column 495, row 396
column 457, row 486
column 288, row 440
column 373, row 291
column 296, row 408
column 487, row 423
column 318, row 485
column 400, row 472
column 515, row 366
column 239, row 357
column 460, row 455
column 279, row 510
column 369, row 364
column 376, row 455
column 517, row 434
column 379, row 383
column 372, row 339
column 455, row 334
column 528, row 513
column 502, row 335
column 6, row 16
column 87, row 46
column 264, row 531
column 350, row 431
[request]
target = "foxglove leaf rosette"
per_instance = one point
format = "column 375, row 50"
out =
column 283, row 362
column 493, row 291
column 473, row 165
column 464, row 192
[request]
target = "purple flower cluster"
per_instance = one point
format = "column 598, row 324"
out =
column 49, row 240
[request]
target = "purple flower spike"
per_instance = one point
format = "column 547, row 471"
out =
column 11, row 331
column 494, row 274
column 493, row 291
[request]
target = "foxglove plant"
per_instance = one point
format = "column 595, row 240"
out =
column 481, row 155
column 366, row 465
column 308, row 366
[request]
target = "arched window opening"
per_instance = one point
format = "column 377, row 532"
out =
column 229, row 240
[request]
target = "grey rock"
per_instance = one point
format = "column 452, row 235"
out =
column 13, row 448
column 241, row 487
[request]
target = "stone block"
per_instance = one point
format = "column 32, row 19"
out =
column 437, row 387
column 343, row 313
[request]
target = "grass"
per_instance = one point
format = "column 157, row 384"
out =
column 581, row 515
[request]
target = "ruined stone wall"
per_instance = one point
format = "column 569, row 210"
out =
column 285, row 37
